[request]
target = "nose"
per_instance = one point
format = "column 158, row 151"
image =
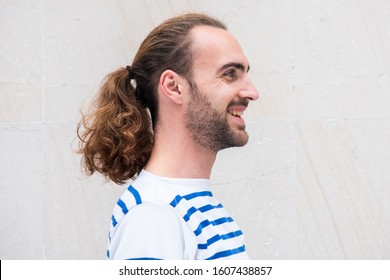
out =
column 249, row 91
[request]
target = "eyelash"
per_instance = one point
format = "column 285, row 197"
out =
column 231, row 74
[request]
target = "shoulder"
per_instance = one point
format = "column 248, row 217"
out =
column 150, row 215
column 153, row 214
column 152, row 230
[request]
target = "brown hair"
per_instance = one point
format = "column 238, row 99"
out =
column 118, row 135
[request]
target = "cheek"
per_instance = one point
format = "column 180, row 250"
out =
column 219, row 96
column 220, row 99
column 222, row 104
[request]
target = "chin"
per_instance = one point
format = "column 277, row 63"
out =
column 238, row 139
column 241, row 137
column 243, row 141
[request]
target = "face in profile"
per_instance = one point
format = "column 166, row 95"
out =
column 220, row 90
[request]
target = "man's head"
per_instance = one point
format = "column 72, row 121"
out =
column 168, row 46
column 197, row 50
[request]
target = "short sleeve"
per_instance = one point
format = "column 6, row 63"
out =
column 152, row 231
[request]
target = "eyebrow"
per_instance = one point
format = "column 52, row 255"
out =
column 237, row 65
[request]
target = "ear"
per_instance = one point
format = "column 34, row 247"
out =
column 170, row 85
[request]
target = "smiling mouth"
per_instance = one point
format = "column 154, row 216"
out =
column 237, row 108
column 236, row 113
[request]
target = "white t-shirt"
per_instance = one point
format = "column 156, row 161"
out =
column 165, row 218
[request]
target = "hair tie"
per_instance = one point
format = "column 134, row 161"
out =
column 130, row 72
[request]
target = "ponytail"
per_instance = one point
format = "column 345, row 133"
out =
column 117, row 138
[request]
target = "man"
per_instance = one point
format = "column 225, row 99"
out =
column 190, row 74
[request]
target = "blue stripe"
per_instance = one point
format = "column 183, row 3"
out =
column 135, row 193
column 209, row 207
column 114, row 222
column 202, row 209
column 191, row 211
column 231, row 234
column 210, row 241
column 201, row 226
column 176, row 200
column 227, row 253
column 218, row 237
column 222, row 221
column 193, row 195
column 190, row 196
column 108, row 254
column 122, row 205
column 143, row 258
column 216, row 222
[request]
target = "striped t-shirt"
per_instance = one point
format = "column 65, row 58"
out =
column 165, row 218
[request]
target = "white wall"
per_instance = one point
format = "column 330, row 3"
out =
column 313, row 182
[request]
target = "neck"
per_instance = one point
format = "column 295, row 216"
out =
column 176, row 155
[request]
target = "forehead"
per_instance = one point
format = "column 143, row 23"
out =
column 214, row 47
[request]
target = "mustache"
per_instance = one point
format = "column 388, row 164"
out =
column 240, row 102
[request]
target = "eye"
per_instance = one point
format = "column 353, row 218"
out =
column 230, row 75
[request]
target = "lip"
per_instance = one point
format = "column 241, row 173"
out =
column 240, row 108
column 237, row 119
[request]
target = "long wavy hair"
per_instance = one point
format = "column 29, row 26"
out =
column 116, row 137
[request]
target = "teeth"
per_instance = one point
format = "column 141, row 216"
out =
column 236, row 113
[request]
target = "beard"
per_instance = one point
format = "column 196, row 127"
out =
column 210, row 128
